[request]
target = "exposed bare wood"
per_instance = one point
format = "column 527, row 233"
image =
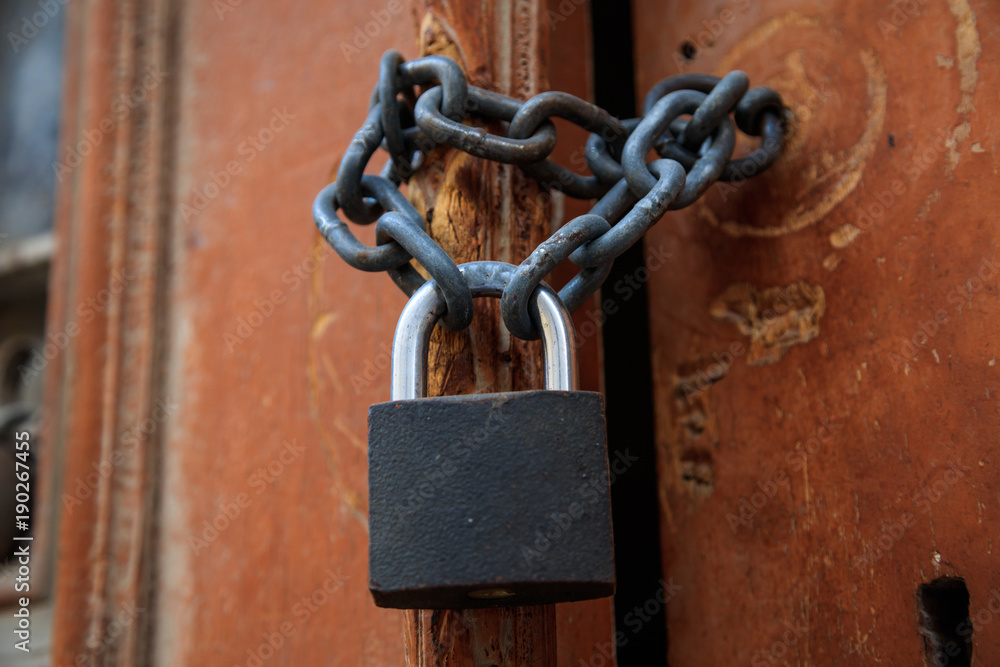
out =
column 483, row 210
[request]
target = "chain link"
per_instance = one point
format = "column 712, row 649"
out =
column 695, row 152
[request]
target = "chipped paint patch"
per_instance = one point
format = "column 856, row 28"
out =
column 958, row 135
column 945, row 62
column 438, row 38
column 968, row 52
column 774, row 318
column 844, row 236
column 321, row 323
column 831, row 261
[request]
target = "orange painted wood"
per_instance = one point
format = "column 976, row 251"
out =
column 221, row 395
column 824, row 336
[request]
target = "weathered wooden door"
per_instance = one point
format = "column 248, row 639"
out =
column 222, row 392
column 822, row 348
column 824, row 343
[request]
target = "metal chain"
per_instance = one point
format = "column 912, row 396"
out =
column 632, row 194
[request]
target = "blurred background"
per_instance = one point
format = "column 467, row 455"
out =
column 31, row 78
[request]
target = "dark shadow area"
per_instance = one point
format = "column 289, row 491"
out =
column 640, row 607
column 945, row 623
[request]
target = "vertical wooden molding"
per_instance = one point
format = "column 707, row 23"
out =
column 483, row 210
column 104, row 405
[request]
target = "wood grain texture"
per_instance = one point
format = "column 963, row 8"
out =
column 482, row 210
column 218, row 401
column 824, row 348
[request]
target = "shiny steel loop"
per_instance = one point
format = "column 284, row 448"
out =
column 590, row 117
column 413, row 332
column 643, row 215
column 477, row 141
column 547, row 256
column 396, row 227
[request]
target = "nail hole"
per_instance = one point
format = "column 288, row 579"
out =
column 944, row 622
column 492, row 594
column 688, row 50
column 698, row 471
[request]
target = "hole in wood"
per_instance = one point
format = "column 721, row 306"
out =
column 944, row 622
column 698, row 470
column 688, row 50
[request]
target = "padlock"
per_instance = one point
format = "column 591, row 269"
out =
column 488, row 500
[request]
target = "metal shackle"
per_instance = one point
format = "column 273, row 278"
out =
column 413, row 332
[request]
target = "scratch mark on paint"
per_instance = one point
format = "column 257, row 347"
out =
column 331, row 372
column 839, row 174
column 320, row 322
